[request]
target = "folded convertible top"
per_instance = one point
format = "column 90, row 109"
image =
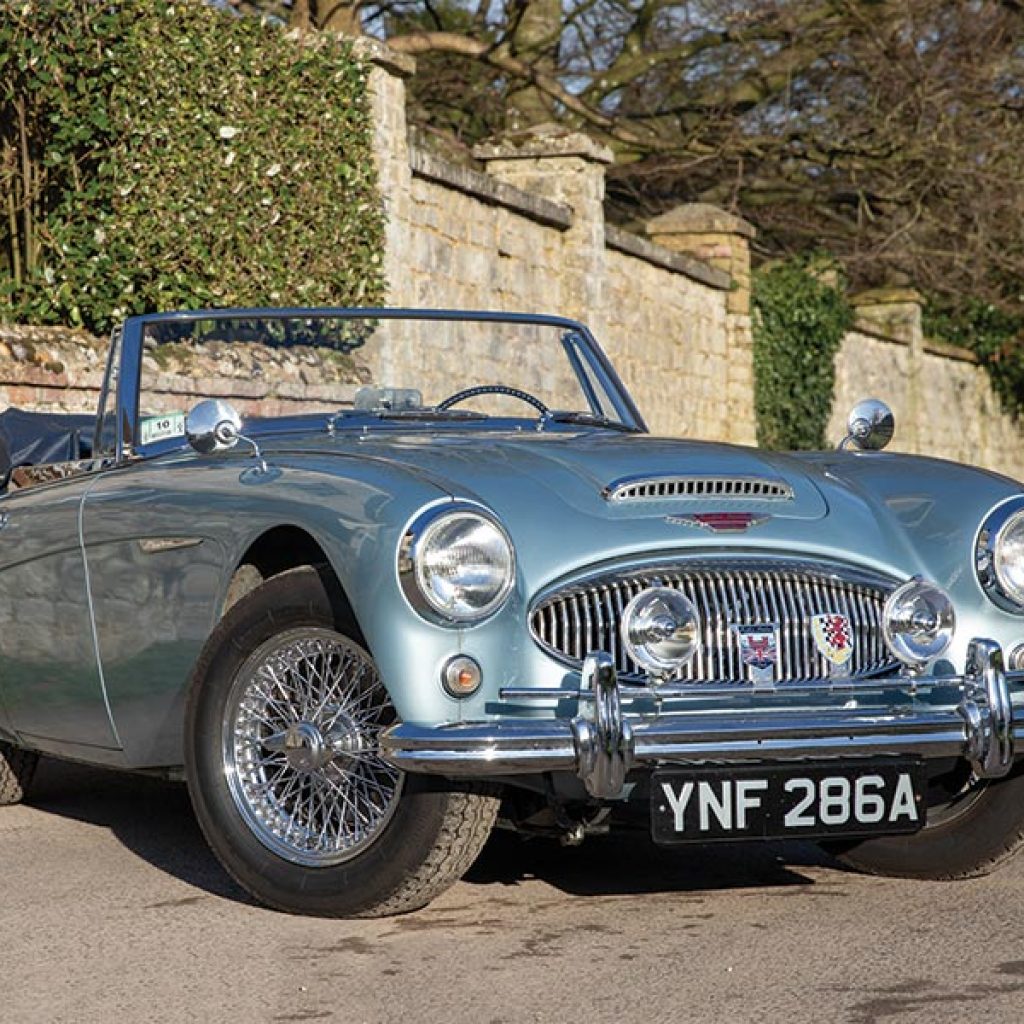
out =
column 35, row 438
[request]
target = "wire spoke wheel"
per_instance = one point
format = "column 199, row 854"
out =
column 300, row 747
column 282, row 757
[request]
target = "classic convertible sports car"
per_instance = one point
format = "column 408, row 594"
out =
column 377, row 580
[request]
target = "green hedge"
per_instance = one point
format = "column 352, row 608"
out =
column 798, row 325
column 158, row 155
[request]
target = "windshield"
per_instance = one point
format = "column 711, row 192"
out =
column 375, row 368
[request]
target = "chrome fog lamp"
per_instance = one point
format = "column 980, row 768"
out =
column 1015, row 659
column 999, row 555
column 456, row 564
column 918, row 621
column 661, row 630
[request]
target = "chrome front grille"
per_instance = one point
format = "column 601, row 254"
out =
column 584, row 616
column 661, row 488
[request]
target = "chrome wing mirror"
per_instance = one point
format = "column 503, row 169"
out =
column 869, row 427
column 215, row 426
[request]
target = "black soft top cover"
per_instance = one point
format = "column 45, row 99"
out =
column 36, row 438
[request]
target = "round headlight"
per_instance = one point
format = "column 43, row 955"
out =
column 999, row 555
column 1009, row 557
column 456, row 565
column 661, row 630
column 918, row 621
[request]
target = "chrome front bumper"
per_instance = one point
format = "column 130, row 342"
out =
column 601, row 744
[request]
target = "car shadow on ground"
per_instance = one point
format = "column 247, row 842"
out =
column 153, row 819
column 628, row 863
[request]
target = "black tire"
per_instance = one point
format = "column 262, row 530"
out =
column 17, row 767
column 433, row 832
column 968, row 835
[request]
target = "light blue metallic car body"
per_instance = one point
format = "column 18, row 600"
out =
column 114, row 578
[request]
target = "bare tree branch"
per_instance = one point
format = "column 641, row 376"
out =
column 889, row 131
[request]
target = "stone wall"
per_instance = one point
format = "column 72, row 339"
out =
column 670, row 346
column 942, row 398
column 523, row 229
column 526, row 232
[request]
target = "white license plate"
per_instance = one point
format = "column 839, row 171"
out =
column 816, row 799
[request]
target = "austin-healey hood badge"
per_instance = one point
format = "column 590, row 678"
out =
column 720, row 522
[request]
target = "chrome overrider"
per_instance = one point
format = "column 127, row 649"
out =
column 970, row 716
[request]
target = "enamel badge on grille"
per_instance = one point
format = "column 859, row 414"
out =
column 759, row 650
column 833, row 636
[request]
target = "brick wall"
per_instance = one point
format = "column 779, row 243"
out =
column 50, row 369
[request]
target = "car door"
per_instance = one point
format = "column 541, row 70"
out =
column 156, row 571
column 52, row 688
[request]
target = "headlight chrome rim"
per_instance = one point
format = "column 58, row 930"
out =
column 988, row 556
column 423, row 528
column 902, row 641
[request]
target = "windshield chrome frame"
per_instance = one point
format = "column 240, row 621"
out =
column 130, row 368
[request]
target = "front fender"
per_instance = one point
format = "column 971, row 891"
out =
column 164, row 538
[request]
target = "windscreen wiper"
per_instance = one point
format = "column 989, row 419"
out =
column 589, row 419
column 427, row 414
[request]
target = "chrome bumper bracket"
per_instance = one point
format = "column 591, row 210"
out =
column 603, row 738
column 988, row 711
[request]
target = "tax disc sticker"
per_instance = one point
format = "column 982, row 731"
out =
column 159, row 428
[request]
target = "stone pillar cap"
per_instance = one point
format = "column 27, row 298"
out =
column 699, row 219
column 887, row 296
column 401, row 65
column 545, row 140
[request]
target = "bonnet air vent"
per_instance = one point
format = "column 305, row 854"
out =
column 660, row 488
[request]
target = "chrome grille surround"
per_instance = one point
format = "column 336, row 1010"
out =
column 575, row 618
column 672, row 486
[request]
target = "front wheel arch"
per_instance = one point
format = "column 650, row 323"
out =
column 281, row 549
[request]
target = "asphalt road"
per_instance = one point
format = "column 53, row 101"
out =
column 112, row 909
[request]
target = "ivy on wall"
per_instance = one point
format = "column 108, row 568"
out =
column 798, row 325
column 158, row 155
column 995, row 336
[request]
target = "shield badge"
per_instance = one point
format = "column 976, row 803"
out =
column 759, row 651
column 833, row 636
